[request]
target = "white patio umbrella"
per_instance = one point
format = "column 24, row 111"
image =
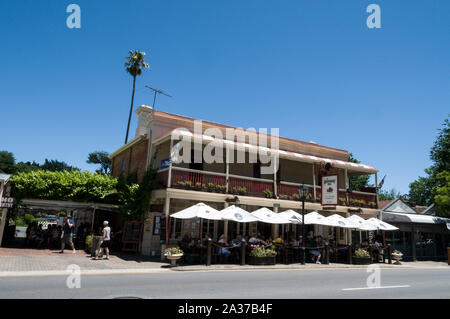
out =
column 237, row 214
column 314, row 218
column 381, row 225
column 291, row 215
column 199, row 210
column 342, row 221
column 267, row 216
column 362, row 223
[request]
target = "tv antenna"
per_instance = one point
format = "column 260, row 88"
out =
column 156, row 91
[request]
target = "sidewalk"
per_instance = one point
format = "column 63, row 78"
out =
column 15, row 261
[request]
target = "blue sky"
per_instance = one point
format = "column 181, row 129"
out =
column 311, row 68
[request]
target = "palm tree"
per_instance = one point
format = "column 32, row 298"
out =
column 135, row 63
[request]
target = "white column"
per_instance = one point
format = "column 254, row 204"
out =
column 314, row 179
column 227, row 171
column 275, row 176
column 169, row 173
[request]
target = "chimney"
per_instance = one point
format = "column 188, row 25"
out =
column 144, row 113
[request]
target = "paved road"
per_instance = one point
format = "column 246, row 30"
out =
column 405, row 283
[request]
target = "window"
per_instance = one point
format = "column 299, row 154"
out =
column 123, row 165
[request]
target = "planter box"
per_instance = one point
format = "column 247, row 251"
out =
column 360, row 260
column 258, row 261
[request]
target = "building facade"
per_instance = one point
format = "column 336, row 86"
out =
column 421, row 235
column 239, row 173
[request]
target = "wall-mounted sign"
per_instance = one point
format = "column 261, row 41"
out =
column 330, row 187
column 165, row 163
column 7, row 202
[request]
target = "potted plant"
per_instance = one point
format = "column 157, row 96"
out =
column 221, row 188
column 372, row 205
column 187, row 184
column 268, row 193
column 296, row 196
column 242, row 190
column 211, row 187
column 342, row 201
column 88, row 243
column 397, row 255
column 261, row 256
column 198, row 186
column 309, row 197
column 173, row 254
column 361, row 257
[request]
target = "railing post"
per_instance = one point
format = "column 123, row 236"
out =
column 389, row 254
column 349, row 254
column 327, row 254
column 335, row 252
column 242, row 252
column 208, row 253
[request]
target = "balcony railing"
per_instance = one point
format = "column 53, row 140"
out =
column 240, row 185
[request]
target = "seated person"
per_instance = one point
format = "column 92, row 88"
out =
column 253, row 239
column 223, row 250
column 315, row 251
column 238, row 240
column 278, row 240
column 293, row 241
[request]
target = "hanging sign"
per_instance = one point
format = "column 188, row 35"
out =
column 7, row 202
column 330, row 187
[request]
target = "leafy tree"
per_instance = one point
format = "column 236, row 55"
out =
column 7, row 162
column 134, row 65
column 135, row 198
column 442, row 197
column 64, row 185
column 356, row 183
column 27, row 166
column 388, row 195
column 423, row 191
column 100, row 157
column 56, row 166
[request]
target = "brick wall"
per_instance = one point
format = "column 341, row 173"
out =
column 135, row 160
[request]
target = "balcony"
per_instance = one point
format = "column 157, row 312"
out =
column 205, row 181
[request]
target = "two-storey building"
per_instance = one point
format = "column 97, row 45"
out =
column 235, row 176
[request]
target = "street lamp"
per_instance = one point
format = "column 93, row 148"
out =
column 303, row 192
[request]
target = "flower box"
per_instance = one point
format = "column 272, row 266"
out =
column 259, row 261
column 361, row 260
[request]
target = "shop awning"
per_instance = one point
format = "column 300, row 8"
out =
column 413, row 218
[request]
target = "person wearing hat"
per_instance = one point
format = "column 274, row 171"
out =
column 106, row 240
column 68, row 231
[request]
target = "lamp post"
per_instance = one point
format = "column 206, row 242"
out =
column 303, row 192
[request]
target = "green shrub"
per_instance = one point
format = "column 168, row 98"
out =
column 362, row 253
column 268, row 193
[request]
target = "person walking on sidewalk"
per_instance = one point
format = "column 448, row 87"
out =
column 106, row 240
column 68, row 230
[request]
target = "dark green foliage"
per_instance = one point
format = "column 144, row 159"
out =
column 101, row 158
column 356, row 183
column 7, row 162
column 433, row 187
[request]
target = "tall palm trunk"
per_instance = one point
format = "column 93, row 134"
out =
column 131, row 109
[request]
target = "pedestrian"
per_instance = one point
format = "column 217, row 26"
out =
column 68, row 230
column 106, row 239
